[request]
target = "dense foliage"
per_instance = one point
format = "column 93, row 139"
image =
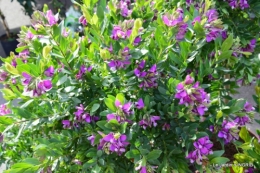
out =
column 147, row 88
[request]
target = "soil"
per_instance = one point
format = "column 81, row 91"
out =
column 5, row 38
column 230, row 149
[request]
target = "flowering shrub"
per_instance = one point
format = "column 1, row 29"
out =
column 147, row 88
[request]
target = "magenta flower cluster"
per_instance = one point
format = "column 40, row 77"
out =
column 83, row 69
column 202, row 148
column 111, row 143
column 125, row 7
column 35, row 88
column 122, row 60
column 148, row 78
column 176, row 20
column 242, row 4
column 229, row 131
column 192, row 96
column 80, row 117
column 4, row 110
column 124, row 32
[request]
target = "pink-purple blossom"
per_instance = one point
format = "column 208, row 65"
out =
column 83, row 20
column 192, row 96
column 139, row 104
column 51, row 18
column 202, row 148
column 149, row 122
column 83, row 69
column 4, row 110
column 113, row 142
column 49, row 72
column 66, row 124
column 229, row 131
column 27, row 79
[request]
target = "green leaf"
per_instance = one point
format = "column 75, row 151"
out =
column 155, row 154
column 227, row 44
column 217, row 153
column 69, row 89
column 110, row 104
column 27, row 103
column 137, row 25
column 243, row 134
column 219, row 160
column 8, row 94
column 134, row 153
column 32, row 161
column 147, row 101
column 90, row 163
column 95, row 107
column 219, row 114
column 46, row 51
column 11, row 69
column 6, row 120
column 121, row 98
column 199, row 30
column 61, row 80
column 23, row 113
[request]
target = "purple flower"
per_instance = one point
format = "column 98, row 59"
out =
column 45, row 85
column 25, row 52
column 27, row 79
column 241, row 121
column 113, row 143
column 250, row 47
column 4, row 110
column 211, row 128
column 91, row 139
column 51, row 18
column 66, row 124
column 117, row 33
column 196, row 19
column 3, row 76
column 137, row 40
column 154, row 119
column 248, row 107
column 82, row 71
column 79, row 112
column 65, row 33
column 143, row 169
column 212, row 15
column 49, row 72
column 139, row 104
column 224, row 35
column 229, row 131
column 171, row 20
column 151, row 121
column 83, row 20
column 243, row 4
column 204, row 145
column 166, row 126
column 213, row 34
column 192, row 96
column 126, row 108
column 113, row 117
column 202, row 148
column 29, row 35
column 188, row 80
column 182, row 31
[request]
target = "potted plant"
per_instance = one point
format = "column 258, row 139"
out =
column 147, row 88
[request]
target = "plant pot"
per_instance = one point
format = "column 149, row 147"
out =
column 9, row 45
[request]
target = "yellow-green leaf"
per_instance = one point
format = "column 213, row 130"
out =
column 10, row 68
column 46, row 51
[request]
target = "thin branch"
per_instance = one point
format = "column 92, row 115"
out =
column 5, row 24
